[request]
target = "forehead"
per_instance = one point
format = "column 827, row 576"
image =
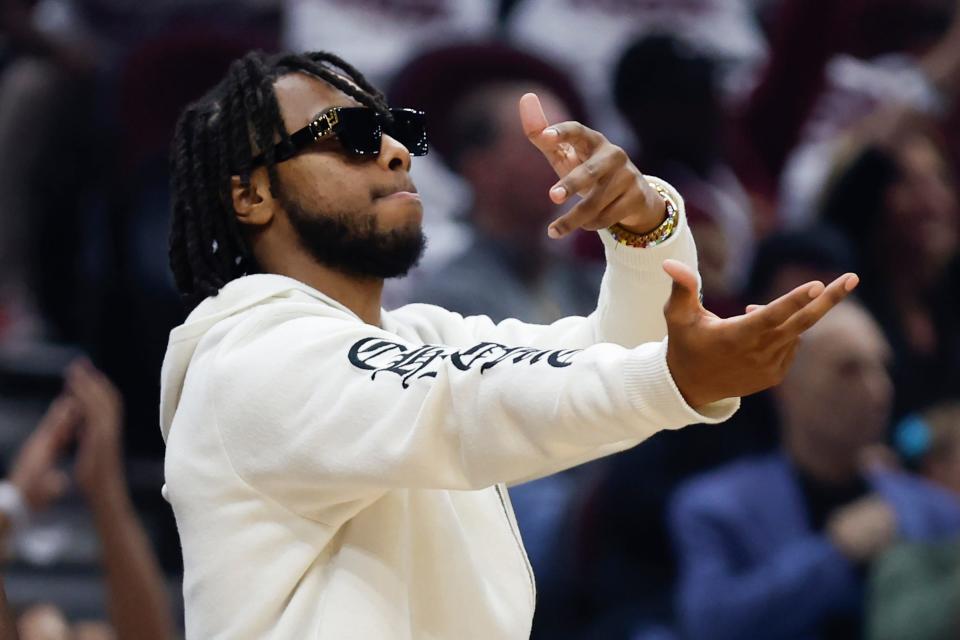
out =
column 302, row 96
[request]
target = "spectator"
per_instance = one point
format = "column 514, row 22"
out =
column 777, row 546
column 787, row 259
column 915, row 587
column 40, row 75
column 474, row 128
column 90, row 413
column 840, row 73
column 678, row 118
column 897, row 204
column 723, row 30
column 377, row 36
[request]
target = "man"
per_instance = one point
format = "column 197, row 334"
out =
column 777, row 546
column 336, row 470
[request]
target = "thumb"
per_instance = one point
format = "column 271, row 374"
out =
column 684, row 297
column 532, row 117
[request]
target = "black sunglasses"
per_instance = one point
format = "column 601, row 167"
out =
column 359, row 130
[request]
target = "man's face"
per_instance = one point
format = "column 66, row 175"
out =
column 839, row 390
column 357, row 214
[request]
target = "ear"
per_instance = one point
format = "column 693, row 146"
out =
column 253, row 203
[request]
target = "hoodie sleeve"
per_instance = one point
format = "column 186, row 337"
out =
column 629, row 308
column 313, row 409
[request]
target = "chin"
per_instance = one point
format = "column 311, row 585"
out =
column 400, row 214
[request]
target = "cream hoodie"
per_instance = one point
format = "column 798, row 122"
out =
column 336, row 480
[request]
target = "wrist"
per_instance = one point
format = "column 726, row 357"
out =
column 626, row 231
column 107, row 498
column 644, row 224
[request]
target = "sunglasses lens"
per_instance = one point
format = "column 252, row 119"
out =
column 410, row 129
column 359, row 131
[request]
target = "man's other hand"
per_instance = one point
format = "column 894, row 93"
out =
column 713, row 358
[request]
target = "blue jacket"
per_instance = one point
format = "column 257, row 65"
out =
column 750, row 565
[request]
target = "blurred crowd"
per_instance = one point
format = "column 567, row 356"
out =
column 808, row 138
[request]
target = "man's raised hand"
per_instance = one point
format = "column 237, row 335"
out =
column 613, row 189
column 712, row 358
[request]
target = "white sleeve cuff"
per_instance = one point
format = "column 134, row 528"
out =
column 653, row 392
column 676, row 246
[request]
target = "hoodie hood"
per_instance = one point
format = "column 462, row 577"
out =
column 235, row 297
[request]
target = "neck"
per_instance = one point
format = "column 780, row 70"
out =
column 361, row 295
column 820, row 461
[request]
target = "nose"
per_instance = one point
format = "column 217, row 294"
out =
column 877, row 385
column 393, row 155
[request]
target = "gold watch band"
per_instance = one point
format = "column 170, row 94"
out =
column 656, row 236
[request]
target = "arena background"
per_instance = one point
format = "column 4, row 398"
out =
column 808, row 137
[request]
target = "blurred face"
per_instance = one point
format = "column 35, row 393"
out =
column 360, row 215
column 510, row 177
column 922, row 214
column 838, row 393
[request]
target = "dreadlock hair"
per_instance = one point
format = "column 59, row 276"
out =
column 216, row 138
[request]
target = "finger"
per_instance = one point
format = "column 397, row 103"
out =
column 835, row 292
column 596, row 211
column 777, row 312
column 82, row 388
column 532, row 118
column 753, row 307
column 789, row 355
column 100, row 385
column 562, row 144
column 571, row 133
column 534, row 122
column 591, row 171
column 60, row 413
column 683, row 305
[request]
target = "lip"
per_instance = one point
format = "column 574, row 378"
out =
column 402, row 195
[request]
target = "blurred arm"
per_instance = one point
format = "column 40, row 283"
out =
column 138, row 601
column 139, row 604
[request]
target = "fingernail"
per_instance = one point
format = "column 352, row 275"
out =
column 551, row 132
column 553, row 232
column 851, row 283
column 816, row 289
column 558, row 193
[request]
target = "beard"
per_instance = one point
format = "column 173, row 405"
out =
column 352, row 243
